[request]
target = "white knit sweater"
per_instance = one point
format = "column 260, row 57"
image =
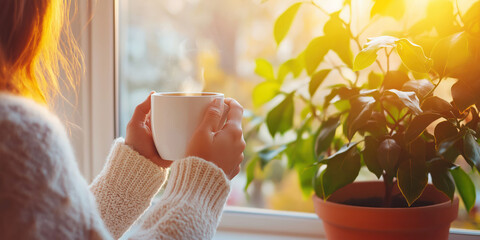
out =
column 44, row 196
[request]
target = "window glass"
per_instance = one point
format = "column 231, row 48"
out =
column 200, row 45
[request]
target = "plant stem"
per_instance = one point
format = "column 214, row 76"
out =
column 387, row 199
column 433, row 89
column 388, row 59
column 389, row 114
column 350, row 14
column 380, row 66
column 458, row 12
column 313, row 108
column 319, row 8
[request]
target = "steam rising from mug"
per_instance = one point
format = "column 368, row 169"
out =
column 175, row 117
column 191, row 85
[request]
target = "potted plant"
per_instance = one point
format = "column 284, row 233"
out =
column 376, row 116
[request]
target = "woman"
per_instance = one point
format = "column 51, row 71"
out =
column 43, row 195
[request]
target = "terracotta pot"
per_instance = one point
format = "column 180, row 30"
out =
column 344, row 222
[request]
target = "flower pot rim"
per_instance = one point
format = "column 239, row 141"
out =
column 441, row 204
column 391, row 219
column 435, row 205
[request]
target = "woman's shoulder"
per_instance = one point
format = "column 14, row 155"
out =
column 20, row 112
column 28, row 127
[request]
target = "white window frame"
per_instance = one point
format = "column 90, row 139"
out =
column 94, row 29
column 98, row 100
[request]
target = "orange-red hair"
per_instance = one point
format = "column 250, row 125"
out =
column 36, row 47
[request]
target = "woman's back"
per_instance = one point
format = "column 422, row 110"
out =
column 42, row 195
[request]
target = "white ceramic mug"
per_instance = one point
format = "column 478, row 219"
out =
column 175, row 117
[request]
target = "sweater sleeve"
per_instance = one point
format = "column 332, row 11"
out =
column 125, row 187
column 191, row 205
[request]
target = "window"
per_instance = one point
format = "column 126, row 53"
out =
column 188, row 45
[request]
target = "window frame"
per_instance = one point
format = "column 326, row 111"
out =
column 96, row 109
column 98, row 40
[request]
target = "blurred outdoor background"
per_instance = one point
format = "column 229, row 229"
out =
column 212, row 45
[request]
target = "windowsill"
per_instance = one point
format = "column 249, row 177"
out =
column 250, row 223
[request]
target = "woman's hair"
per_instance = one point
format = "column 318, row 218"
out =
column 36, row 47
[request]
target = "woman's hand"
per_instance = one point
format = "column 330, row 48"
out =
column 139, row 134
column 224, row 147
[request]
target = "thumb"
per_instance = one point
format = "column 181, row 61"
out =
column 213, row 115
column 142, row 110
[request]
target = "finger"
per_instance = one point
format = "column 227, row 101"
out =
column 235, row 113
column 213, row 115
column 142, row 110
column 148, row 120
column 226, row 108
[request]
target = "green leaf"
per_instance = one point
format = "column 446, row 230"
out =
column 361, row 110
column 338, row 38
column 395, row 80
column 318, row 184
column 391, row 8
column 264, row 92
column 342, row 169
column 280, row 118
column 412, row 178
column 420, row 27
column 409, row 100
column 412, row 56
column 368, row 54
column 264, row 69
column 418, row 149
column 419, row 124
column 347, row 93
column 463, row 96
column 294, row 66
column 446, row 139
column 374, row 80
column 306, row 177
column 370, row 156
column 269, row 153
column 465, row 187
column 421, row 87
column 442, row 179
column 471, row 149
column 441, row 14
column 284, row 22
column 326, row 134
column 376, row 125
column 364, row 59
column 444, row 130
column 450, row 54
column 447, row 148
column 316, row 80
column 472, row 19
column 342, row 151
column 474, row 122
column 388, row 154
column 315, row 52
column 437, row 105
column 301, row 152
column 250, row 171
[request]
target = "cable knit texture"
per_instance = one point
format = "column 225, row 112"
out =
column 195, row 189
column 125, row 186
column 44, row 196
